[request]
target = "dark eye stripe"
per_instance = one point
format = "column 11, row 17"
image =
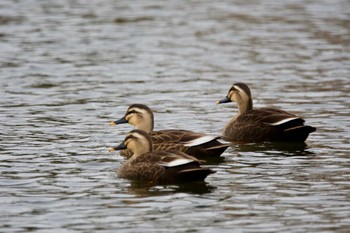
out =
column 132, row 111
column 233, row 89
column 130, row 137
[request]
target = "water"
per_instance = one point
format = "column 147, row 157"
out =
column 70, row 67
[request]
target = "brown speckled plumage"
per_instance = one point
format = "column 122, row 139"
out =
column 141, row 117
column 265, row 124
column 158, row 167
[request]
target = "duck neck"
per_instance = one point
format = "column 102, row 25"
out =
column 245, row 105
column 145, row 127
column 146, row 124
column 142, row 149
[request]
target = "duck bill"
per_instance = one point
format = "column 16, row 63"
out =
column 121, row 146
column 122, row 120
column 225, row 100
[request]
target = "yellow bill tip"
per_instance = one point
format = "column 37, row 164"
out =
column 111, row 149
column 112, row 123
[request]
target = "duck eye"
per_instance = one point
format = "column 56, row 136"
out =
column 132, row 112
column 232, row 91
column 130, row 138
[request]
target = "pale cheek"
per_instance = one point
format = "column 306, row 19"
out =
column 133, row 121
column 136, row 148
column 232, row 97
column 128, row 118
column 132, row 145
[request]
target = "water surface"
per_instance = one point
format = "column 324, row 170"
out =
column 70, row 67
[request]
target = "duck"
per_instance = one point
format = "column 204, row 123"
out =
column 196, row 144
column 263, row 124
column 157, row 167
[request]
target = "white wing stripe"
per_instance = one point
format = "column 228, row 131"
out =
column 176, row 162
column 201, row 140
column 281, row 122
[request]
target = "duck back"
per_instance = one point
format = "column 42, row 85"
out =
column 267, row 124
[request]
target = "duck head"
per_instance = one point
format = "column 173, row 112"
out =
column 239, row 93
column 137, row 141
column 138, row 115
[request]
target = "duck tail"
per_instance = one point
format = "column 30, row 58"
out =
column 298, row 133
column 210, row 149
column 194, row 174
column 218, row 149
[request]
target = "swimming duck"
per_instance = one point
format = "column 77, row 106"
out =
column 264, row 124
column 196, row 144
column 157, row 167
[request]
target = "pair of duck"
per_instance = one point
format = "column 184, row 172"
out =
column 171, row 156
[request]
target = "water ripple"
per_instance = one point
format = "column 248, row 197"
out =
column 68, row 68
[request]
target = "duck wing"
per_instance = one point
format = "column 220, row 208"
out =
column 196, row 144
column 181, row 167
column 275, row 117
column 175, row 135
column 164, row 167
column 169, row 146
column 266, row 124
column 269, row 117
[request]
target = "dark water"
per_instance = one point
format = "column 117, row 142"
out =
column 70, row 67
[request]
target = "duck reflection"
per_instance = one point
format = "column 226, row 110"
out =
column 142, row 189
column 282, row 148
